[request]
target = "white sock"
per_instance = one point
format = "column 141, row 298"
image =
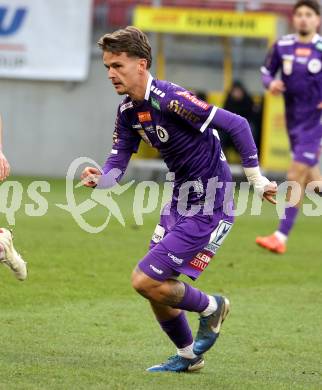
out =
column 2, row 252
column 212, row 307
column 281, row 236
column 186, row 352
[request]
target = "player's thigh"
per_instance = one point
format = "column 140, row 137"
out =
column 305, row 157
column 314, row 174
column 298, row 172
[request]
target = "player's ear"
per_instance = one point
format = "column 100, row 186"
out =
column 142, row 65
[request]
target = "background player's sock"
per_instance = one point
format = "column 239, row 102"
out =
column 287, row 223
column 193, row 300
column 179, row 332
column 281, row 237
column 211, row 308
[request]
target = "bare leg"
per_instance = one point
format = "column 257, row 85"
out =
column 315, row 175
column 168, row 293
column 299, row 173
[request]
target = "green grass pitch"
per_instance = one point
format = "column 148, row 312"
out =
column 77, row 324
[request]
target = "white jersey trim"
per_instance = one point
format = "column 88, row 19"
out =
column 209, row 119
column 148, row 87
column 286, row 43
column 264, row 70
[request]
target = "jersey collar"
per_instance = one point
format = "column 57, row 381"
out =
column 315, row 38
column 148, row 87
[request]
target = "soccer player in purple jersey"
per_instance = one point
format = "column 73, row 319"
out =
column 182, row 128
column 299, row 57
column 8, row 255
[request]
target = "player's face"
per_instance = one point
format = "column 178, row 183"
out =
column 305, row 21
column 123, row 71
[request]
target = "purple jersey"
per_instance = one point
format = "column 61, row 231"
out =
column 183, row 129
column 301, row 69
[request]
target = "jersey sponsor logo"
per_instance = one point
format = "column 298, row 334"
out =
column 158, row 234
column 303, row 52
column 150, row 129
column 157, row 91
column 144, row 137
column 175, row 259
column 288, row 65
column 286, row 42
column 314, row 66
column 155, row 104
column 115, row 137
column 156, row 270
column 218, row 236
column 200, row 261
column 193, row 99
column 162, row 133
column 137, row 126
column 126, row 106
column 179, row 109
column 144, row 116
column 301, row 60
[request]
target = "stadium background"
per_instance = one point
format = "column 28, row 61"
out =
column 52, row 119
column 76, row 323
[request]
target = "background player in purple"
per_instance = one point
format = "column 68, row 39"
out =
column 182, row 128
column 299, row 57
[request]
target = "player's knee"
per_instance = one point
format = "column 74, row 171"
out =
column 139, row 284
column 297, row 175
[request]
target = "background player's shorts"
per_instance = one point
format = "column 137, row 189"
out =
column 185, row 245
column 306, row 151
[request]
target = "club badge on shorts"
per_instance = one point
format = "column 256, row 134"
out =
column 288, row 65
column 314, row 65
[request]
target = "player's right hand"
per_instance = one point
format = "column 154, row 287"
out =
column 277, row 87
column 270, row 191
column 90, row 176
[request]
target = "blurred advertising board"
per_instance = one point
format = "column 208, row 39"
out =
column 205, row 22
column 45, row 40
column 275, row 155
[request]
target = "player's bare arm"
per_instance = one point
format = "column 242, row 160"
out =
column 4, row 165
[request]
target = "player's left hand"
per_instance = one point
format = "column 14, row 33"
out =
column 4, row 167
column 270, row 192
column 319, row 106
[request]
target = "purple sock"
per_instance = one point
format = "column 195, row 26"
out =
column 178, row 330
column 287, row 223
column 193, row 300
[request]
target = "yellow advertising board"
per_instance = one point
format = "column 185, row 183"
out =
column 275, row 155
column 205, row 22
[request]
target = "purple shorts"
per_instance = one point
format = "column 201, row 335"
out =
column 306, row 151
column 185, row 244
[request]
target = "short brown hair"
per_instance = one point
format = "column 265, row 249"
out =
column 130, row 40
column 313, row 4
